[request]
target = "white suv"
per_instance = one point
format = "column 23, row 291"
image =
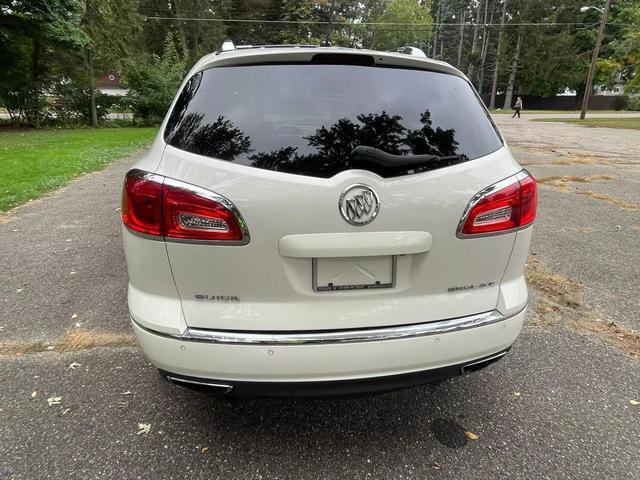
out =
column 320, row 221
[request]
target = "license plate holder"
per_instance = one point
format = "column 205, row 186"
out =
column 353, row 273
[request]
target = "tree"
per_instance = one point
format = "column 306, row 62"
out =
column 402, row 11
column 153, row 83
column 110, row 26
column 496, row 67
column 33, row 31
column 621, row 46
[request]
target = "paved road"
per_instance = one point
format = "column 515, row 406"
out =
column 558, row 406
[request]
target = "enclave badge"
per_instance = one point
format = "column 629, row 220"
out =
column 359, row 204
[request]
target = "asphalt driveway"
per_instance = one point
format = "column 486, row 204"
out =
column 560, row 405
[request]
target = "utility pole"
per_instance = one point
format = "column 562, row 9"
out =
column 486, row 37
column 435, row 34
column 594, row 59
column 508, row 94
column 461, row 39
column 496, row 68
column 327, row 40
column 474, row 41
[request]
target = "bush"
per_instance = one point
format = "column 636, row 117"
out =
column 620, row 102
column 25, row 105
column 153, row 83
column 72, row 105
column 634, row 103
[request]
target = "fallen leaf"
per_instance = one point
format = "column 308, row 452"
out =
column 516, row 394
column 143, row 428
column 471, row 436
column 204, row 449
column 74, row 365
column 436, row 466
column 126, row 393
column 72, row 273
column 65, row 411
column 78, row 324
column 54, row 401
column 19, row 290
column 33, row 394
column 50, row 347
column 75, row 315
column 634, row 402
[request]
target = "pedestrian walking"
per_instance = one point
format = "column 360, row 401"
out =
column 517, row 107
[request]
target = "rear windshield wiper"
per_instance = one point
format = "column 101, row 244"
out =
column 364, row 156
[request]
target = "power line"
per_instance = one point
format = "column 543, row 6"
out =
column 365, row 24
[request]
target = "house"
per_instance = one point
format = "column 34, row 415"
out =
column 110, row 84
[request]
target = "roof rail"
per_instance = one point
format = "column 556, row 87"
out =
column 228, row 46
column 290, row 45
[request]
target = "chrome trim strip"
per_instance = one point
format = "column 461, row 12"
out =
column 340, row 336
column 504, row 183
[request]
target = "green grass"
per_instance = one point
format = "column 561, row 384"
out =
column 34, row 162
column 632, row 123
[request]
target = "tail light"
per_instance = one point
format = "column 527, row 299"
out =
column 164, row 207
column 504, row 206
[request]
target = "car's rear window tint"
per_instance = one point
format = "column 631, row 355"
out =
column 307, row 119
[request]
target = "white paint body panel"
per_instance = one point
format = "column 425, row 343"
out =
column 307, row 363
column 293, row 219
column 354, row 244
column 275, row 291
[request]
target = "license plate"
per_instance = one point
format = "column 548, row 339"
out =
column 353, row 273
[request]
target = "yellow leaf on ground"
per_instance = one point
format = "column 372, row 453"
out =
column 634, row 402
column 471, row 435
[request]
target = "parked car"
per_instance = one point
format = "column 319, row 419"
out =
column 325, row 221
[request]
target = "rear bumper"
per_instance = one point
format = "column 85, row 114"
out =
column 426, row 357
column 339, row 388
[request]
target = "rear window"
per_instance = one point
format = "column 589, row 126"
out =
column 307, row 119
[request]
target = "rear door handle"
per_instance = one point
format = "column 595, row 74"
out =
column 355, row 244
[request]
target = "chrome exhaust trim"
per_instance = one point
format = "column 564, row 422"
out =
column 479, row 364
column 221, row 388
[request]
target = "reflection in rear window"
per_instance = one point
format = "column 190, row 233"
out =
column 307, row 119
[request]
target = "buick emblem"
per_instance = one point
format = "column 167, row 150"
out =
column 359, row 204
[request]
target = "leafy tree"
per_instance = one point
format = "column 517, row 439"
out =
column 153, row 82
column 621, row 49
column 31, row 32
column 394, row 36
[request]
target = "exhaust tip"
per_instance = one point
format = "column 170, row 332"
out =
column 200, row 385
column 480, row 364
